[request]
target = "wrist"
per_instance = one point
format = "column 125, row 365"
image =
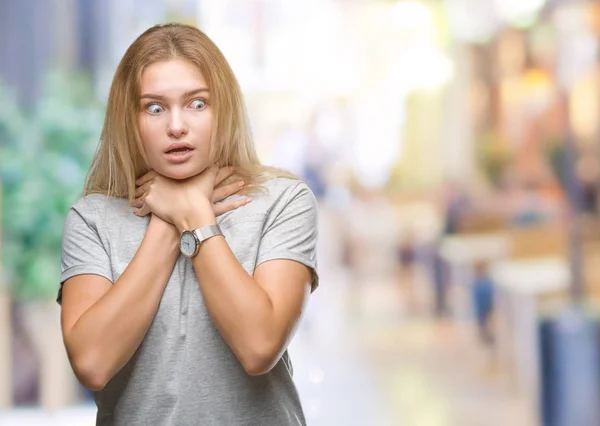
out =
column 201, row 215
column 163, row 231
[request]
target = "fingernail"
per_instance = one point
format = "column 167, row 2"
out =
column 241, row 183
column 248, row 200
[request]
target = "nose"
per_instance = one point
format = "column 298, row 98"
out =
column 177, row 127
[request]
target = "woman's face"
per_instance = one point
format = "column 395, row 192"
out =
column 175, row 119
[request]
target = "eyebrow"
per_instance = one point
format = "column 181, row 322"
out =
column 185, row 95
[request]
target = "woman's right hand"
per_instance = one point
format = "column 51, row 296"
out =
column 219, row 194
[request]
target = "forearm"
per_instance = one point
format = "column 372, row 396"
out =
column 107, row 335
column 240, row 308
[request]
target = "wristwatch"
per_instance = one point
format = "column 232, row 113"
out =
column 189, row 242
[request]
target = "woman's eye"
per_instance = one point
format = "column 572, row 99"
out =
column 198, row 104
column 154, row 109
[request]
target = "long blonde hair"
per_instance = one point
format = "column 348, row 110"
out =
column 120, row 158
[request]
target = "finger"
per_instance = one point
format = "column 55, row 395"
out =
column 221, row 208
column 227, row 190
column 147, row 177
column 141, row 190
column 143, row 211
column 222, row 174
column 137, row 203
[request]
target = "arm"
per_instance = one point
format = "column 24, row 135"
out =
column 257, row 315
column 103, row 324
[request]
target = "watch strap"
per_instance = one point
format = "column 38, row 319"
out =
column 206, row 232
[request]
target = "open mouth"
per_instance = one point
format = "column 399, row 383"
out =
column 179, row 150
column 178, row 153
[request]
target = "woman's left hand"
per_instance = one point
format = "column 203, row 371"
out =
column 181, row 203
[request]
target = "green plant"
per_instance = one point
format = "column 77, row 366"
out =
column 44, row 156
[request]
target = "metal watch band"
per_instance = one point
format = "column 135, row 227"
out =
column 206, row 232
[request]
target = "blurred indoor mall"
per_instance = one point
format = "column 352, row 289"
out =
column 454, row 149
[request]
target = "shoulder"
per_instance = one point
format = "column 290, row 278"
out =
column 284, row 192
column 272, row 198
column 285, row 188
column 94, row 207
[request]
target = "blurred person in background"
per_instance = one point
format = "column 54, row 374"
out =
column 179, row 296
column 407, row 261
column 482, row 293
column 455, row 204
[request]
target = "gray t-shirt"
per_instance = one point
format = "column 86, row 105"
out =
column 184, row 373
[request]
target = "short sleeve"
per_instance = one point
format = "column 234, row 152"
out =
column 82, row 248
column 291, row 231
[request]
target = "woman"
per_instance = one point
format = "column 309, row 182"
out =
column 178, row 295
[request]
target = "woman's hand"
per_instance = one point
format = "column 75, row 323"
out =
column 176, row 201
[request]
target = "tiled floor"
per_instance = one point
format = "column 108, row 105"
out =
column 434, row 372
column 393, row 364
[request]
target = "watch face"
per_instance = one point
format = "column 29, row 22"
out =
column 187, row 243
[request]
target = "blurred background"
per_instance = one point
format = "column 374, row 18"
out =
column 454, row 150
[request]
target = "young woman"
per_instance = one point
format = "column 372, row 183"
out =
column 178, row 295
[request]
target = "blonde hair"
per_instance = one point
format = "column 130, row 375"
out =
column 120, row 157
